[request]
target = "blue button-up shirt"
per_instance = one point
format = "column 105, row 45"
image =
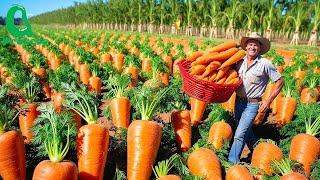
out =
column 255, row 78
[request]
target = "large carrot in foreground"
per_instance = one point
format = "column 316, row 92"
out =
column 12, row 150
column 305, row 147
column 219, row 133
column 60, row 127
column 238, row 172
column 204, row 162
column 92, row 139
column 263, row 154
column 144, row 136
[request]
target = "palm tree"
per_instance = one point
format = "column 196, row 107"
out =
column 316, row 22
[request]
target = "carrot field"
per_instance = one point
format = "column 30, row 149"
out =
column 95, row 99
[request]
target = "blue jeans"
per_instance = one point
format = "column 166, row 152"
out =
column 245, row 113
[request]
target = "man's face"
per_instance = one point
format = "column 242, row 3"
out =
column 253, row 47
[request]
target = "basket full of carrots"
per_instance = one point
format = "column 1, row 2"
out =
column 210, row 76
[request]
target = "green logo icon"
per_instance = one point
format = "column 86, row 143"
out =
column 15, row 31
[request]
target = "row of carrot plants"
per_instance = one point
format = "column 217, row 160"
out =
column 77, row 95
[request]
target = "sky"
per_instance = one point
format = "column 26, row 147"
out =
column 35, row 7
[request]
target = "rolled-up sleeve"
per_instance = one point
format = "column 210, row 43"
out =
column 272, row 72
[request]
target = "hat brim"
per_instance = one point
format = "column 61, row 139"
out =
column 265, row 43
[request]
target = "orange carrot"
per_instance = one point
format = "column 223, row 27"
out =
column 164, row 78
column 12, row 158
column 170, row 177
column 233, row 81
column 238, row 172
column 259, row 118
column 233, row 59
column 55, row 63
column 197, row 109
column 65, row 170
column 263, row 154
column 145, row 65
column 214, row 56
column 118, row 61
column 223, row 46
column 219, row 132
column 204, row 162
column 212, row 76
column 293, row 176
column 41, row 72
column 92, row 150
column 194, row 55
column 231, row 75
column 309, row 95
column 26, row 121
column 181, row 124
column 106, row 58
column 168, row 61
column 143, row 143
column 84, row 73
column 305, row 148
column 221, row 73
column 134, row 75
column 268, row 91
column 210, row 68
column 286, row 109
column 120, row 110
column 198, row 69
column 95, row 84
column 222, row 80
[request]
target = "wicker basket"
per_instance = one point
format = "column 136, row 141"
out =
column 206, row 91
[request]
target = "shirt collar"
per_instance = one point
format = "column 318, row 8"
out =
column 254, row 62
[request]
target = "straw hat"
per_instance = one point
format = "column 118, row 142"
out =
column 264, row 42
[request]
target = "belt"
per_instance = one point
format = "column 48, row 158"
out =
column 250, row 100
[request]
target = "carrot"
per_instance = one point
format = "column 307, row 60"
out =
column 214, row 56
column 92, row 151
column 285, row 112
column 118, row 61
column 221, row 73
column 238, row 172
column 175, row 65
column 164, row 78
column 143, row 143
column 26, row 121
column 194, row 55
column 212, row 76
column 95, row 84
column 210, row 68
column 181, row 124
column 46, row 88
column 293, row 176
column 55, row 63
column 276, row 103
column 84, row 73
column 40, row 71
column 145, row 65
column 219, row 133
column 197, row 109
column 48, row 170
column 105, row 58
column 268, row 91
column 204, row 162
column 57, row 99
column 305, row 148
column 233, row 81
column 309, row 95
column 233, row 59
column 263, row 154
column 120, row 110
column 222, row 80
column 229, row 105
column 259, row 118
column 168, row 61
column 133, row 71
column 198, row 69
column 223, row 46
column 12, row 159
column 231, row 75
column 170, row 177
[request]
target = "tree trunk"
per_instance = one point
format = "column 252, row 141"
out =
column 268, row 34
column 189, row 31
column 295, row 38
column 139, row 28
column 161, row 29
column 313, row 40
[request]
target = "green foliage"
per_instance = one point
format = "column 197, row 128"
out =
column 7, row 111
column 117, row 86
column 64, row 74
column 54, row 133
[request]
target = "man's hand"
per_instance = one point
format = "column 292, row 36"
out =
column 264, row 106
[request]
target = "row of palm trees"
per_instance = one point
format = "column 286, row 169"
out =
column 232, row 18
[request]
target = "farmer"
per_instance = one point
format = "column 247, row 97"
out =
column 255, row 72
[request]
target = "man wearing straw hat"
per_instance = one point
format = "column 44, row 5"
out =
column 255, row 72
